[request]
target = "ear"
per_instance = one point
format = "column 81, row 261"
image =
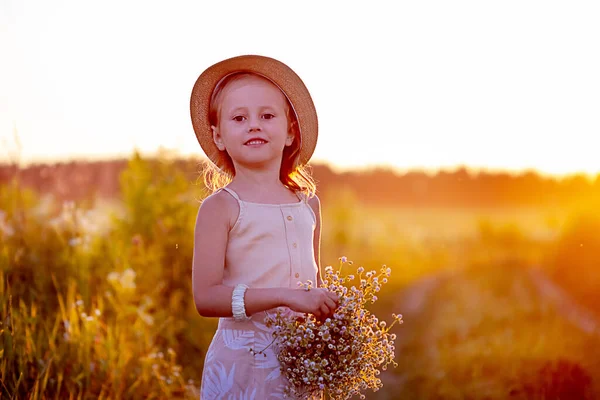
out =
column 217, row 138
column 290, row 139
column 291, row 134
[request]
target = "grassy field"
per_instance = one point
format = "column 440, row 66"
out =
column 96, row 297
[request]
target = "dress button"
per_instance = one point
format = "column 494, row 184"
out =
column 289, row 218
column 295, row 245
column 297, row 275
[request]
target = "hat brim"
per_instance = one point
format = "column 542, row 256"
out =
column 275, row 71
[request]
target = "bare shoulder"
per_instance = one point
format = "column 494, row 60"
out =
column 219, row 207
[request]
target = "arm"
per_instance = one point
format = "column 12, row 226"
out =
column 315, row 204
column 216, row 216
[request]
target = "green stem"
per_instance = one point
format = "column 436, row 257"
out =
column 270, row 344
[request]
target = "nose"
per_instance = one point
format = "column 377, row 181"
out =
column 253, row 124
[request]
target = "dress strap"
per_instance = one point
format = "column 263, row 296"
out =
column 231, row 192
column 240, row 204
column 301, row 196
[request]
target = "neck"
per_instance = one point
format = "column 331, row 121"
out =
column 257, row 179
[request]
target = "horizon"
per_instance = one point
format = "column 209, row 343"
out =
column 174, row 155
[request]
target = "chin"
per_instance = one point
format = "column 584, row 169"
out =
column 255, row 162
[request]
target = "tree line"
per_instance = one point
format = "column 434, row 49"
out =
column 77, row 180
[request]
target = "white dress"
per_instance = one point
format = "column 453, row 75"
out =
column 269, row 246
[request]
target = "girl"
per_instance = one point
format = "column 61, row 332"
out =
column 258, row 234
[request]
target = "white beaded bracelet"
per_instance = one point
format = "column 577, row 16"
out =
column 238, row 307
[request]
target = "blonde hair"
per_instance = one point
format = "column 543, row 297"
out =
column 293, row 176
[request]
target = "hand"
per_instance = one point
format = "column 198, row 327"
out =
column 317, row 301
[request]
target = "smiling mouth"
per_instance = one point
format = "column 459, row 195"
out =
column 255, row 142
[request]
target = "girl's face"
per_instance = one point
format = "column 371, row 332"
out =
column 253, row 125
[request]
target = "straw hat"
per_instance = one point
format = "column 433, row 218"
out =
column 275, row 71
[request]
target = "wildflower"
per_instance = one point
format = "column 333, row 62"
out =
column 136, row 240
column 76, row 241
column 147, row 318
column 5, row 228
column 342, row 355
column 113, row 277
column 127, row 279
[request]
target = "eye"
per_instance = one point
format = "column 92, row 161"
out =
column 239, row 118
column 268, row 116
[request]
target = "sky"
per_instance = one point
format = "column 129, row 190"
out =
column 495, row 85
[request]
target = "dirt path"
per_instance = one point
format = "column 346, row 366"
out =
column 414, row 298
column 569, row 309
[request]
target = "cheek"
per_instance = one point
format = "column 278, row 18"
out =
column 227, row 129
column 284, row 127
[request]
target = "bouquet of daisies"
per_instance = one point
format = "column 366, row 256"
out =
column 341, row 356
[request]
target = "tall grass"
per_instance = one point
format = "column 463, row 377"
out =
column 95, row 309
